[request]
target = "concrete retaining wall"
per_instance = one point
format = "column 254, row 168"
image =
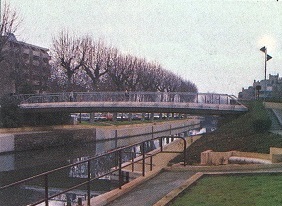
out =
column 146, row 132
column 273, row 105
column 42, row 139
column 39, row 140
column 7, row 142
column 275, row 154
column 210, row 157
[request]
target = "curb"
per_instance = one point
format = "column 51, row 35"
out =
column 174, row 193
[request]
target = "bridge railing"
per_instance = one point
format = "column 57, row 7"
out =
column 178, row 97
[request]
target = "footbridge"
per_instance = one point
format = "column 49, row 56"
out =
column 150, row 102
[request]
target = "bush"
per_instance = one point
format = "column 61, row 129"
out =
column 10, row 112
column 261, row 125
column 261, row 122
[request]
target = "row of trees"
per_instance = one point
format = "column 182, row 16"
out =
column 82, row 64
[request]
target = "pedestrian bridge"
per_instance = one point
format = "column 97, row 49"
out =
column 150, row 102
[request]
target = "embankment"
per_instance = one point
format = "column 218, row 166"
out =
column 38, row 138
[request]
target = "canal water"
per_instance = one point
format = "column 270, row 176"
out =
column 20, row 165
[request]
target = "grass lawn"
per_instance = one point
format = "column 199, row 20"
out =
column 238, row 190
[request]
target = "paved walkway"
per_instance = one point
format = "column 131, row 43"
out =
column 150, row 192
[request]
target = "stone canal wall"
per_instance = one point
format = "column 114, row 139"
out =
column 44, row 139
column 21, row 141
column 143, row 132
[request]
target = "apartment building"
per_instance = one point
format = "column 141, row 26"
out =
column 25, row 68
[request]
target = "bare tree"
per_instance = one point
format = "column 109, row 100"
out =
column 149, row 76
column 117, row 73
column 98, row 59
column 9, row 24
column 67, row 55
column 97, row 67
column 134, row 72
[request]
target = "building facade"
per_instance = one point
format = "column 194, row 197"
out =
column 25, row 68
column 269, row 88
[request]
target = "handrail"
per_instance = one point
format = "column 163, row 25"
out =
column 208, row 98
column 90, row 179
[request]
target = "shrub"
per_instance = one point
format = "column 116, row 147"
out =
column 261, row 125
column 10, row 112
column 261, row 122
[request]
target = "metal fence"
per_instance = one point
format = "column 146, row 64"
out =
column 117, row 160
column 208, row 98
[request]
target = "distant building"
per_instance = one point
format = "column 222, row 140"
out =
column 269, row 88
column 25, row 68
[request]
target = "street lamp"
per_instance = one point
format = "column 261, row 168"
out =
column 266, row 58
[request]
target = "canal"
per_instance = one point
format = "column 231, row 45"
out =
column 20, row 165
column 16, row 166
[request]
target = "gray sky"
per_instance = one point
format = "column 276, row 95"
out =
column 213, row 43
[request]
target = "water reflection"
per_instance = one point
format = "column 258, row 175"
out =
column 17, row 166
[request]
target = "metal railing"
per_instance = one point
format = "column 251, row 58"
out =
column 120, row 163
column 207, row 98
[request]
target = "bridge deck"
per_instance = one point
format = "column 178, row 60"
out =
column 162, row 107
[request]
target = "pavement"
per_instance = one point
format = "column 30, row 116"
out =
column 151, row 191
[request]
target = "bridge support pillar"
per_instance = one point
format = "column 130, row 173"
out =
column 143, row 116
column 92, row 117
column 152, row 116
column 130, row 117
column 114, row 119
column 167, row 115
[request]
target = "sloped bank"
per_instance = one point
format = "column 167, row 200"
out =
column 31, row 140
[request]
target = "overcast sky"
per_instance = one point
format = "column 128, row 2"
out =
column 213, row 43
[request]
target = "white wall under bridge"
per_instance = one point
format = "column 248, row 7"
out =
column 123, row 135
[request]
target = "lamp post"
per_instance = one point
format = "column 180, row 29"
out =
column 266, row 58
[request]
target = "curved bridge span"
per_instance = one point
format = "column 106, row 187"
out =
column 162, row 102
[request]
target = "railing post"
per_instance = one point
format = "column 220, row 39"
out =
column 88, row 184
column 119, row 169
column 116, row 138
column 143, row 158
column 132, row 160
column 151, row 163
column 46, row 190
column 184, row 152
